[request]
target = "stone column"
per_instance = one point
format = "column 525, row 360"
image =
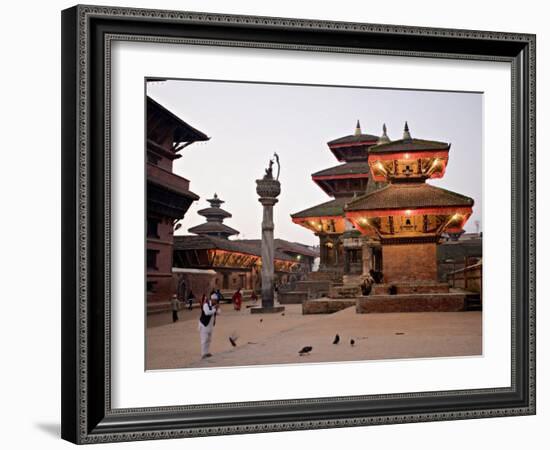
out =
column 268, row 189
column 367, row 257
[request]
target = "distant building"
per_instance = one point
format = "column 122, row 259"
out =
column 456, row 254
column 304, row 254
column 168, row 195
column 236, row 263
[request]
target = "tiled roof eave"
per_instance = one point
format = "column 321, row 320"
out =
column 409, row 196
column 332, row 209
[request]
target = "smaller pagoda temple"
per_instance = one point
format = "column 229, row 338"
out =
column 408, row 216
column 215, row 216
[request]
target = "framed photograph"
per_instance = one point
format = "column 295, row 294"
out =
column 279, row 224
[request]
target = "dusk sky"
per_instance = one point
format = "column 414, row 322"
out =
column 248, row 122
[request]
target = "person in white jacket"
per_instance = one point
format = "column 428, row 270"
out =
column 207, row 320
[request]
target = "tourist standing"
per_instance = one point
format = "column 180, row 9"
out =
column 207, row 320
column 175, row 306
column 237, row 300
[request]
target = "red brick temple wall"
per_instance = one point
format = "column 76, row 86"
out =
column 409, row 262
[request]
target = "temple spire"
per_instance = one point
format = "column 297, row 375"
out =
column 384, row 139
column 357, row 129
column 215, row 202
column 406, row 133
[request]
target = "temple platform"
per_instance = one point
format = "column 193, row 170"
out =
column 267, row 309
column 413, row 302
column 327, row 305
column 292, row 297
column 417, row 287
column 344, row 291
column 314, row 288
column 419, row 302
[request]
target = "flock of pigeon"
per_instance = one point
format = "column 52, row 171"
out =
column 306, row 350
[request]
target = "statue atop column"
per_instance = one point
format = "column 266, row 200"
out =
column 269, row 171
column 268, row 189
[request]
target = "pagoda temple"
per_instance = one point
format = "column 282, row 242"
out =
column 409, row 215
column 215, row 216
column 341, row 250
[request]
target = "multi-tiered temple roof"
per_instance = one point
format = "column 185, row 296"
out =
column 215, row 216
column 341, row 182
column 408, row 158
column 408, row 207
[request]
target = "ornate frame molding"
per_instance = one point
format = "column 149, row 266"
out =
column 86, row 186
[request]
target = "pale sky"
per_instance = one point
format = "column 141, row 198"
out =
column 247, row 122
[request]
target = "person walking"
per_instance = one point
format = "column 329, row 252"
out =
column 175, row 306
column 237, row 300
column 220, row 296
column 190, row 299
column 207, row 320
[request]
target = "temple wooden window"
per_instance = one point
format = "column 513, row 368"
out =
column 152, row 259
column 153, row 227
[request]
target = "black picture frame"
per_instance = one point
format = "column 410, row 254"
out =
column 87, row 32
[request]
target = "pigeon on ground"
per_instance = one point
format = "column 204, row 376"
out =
column 336, row 339
column 352, row 342
column 282, row 314
column 399, row 334
column 305, row 350
column 233, row 339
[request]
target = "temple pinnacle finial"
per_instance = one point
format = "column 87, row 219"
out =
column 357, row 129
column 215, row 201
column 406, row 133
column 384, row 138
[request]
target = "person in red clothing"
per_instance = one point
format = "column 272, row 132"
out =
column 237, row 300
